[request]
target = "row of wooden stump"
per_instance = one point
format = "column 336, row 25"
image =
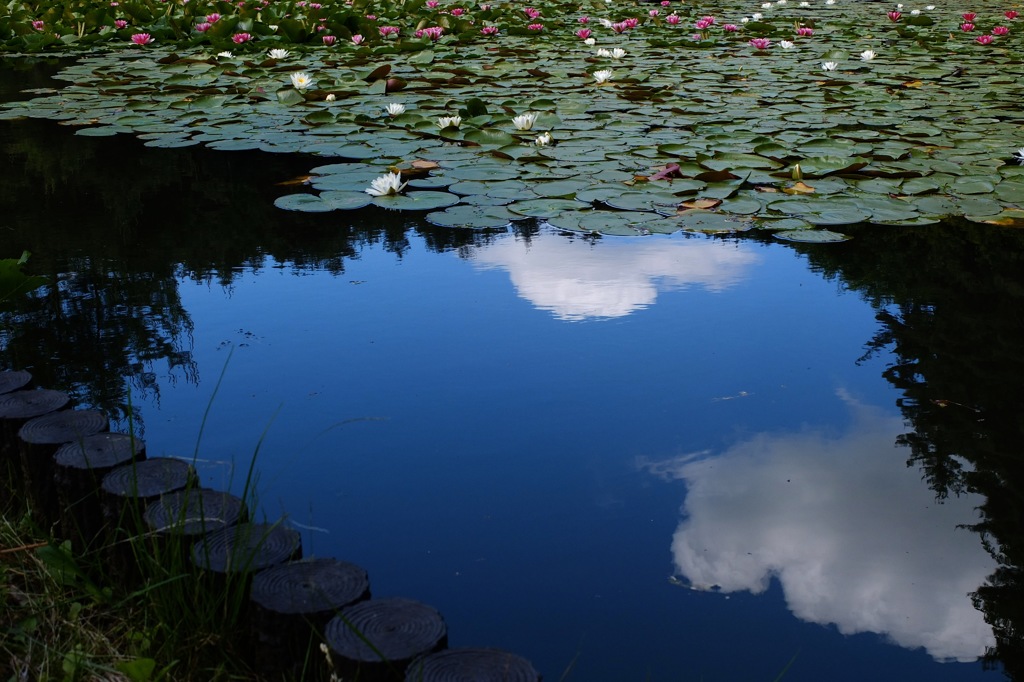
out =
column 100, row 491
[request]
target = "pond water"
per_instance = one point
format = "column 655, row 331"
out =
column 664, row 457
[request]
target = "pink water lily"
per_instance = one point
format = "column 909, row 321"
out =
column 531, row 12
column 212, row 18
column 761, row 43
column 672, row 19
column 653, row 13
column 371, row 17
column 386, row 31
column 142, row 38
column 489, row 31
column 240, row 38
column 357, row 39
column 984, row 40
column 969, row 16
column 702, row 24
column 204, row 26
column 895, row 16
column 330, row 40
column 457, row 12
column 535, row 27
column 583, row 20
column 583, row 33
column 967, row 26
column 1000, row 30
column 432, row 32
column 432, row 4
column 805, row 31
column 1011, row 14
column 120, row 23
column 38, row 25
column 730, row 28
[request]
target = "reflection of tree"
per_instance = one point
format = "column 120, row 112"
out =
column 951, row 305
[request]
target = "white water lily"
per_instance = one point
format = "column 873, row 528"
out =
column 543, row 140
column 757, row 16
column 225, row 55
column 394, row 109
column 524, row 121
column 617, row 53
column 830, row 2
column 1019, row 156
column 278, row 54
column 589, row 42
column 607, row 23
column 601, row 52
column 385, row 185
column 331, row 97
column 603, row 76
column 829, row 66
column 744, row 20
column 448, row 121
column 805, row 4
column 915, row 12
column 787, row 44
column 301, row 81
column 766, row 5
column 930, row 7
column 867, row 55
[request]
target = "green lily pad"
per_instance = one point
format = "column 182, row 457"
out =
column 416, row 201
column 811, row 236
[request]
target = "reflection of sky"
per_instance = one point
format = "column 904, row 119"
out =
column 576, row 280
column 853, row 535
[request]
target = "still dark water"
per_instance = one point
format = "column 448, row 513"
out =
column 663, row 458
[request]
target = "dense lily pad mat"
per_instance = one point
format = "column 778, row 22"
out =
column 850, row 112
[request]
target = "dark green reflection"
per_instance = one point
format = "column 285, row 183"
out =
column 950, row 301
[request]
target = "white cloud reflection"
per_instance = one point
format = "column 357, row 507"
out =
column 577, row 280
column 854, row 536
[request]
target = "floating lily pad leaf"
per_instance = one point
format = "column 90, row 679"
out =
column 416, row 201
column 546, row 208
column 603, row 222
column 343, row 200
column 741, row 206
column 826, row 165
column 1011, row 217
column 490, row 137
column 642, row 201
column 486, row 200
column 97, row 131
column 915, row 221
column 431, row 182
column 559, row 188
column 783, row 224
column 474, row 217
column 878, row 185
column 841, row 215
column 601, row 193
column 919, row 186
column 234, row 145
column 307, row 203
column 708, row 222
column 483, row 172
column 811, row 236
column 340, row 149
column 738, row 162
column 978, row 206
column 171, row 142
column 972, row 186
column 1010, row 192
column 662, row 226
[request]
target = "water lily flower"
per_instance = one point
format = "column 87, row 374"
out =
column 484, row 8
column 805, row 31
column 357, row 39
column 744, row 20
column 142, row 38
column 915, row 12
column 829, row 66
column 212, row 18
column 1011, row 14
column 531, row 12
column 967, row 26
column 757, row 16
column 653, row 13
column 329, row 40
column 240, row 38
column 895, row 16
column 805, row 4
column 432, row 4
column 371, row 17
column 607, row 23
column 766, row 5
column 449, row 121
column 545, row 139
column 969, row 16
column 786, row 44
column 226, row 55
column 930, row 7
column 589, row 42
column 583, row 20
column 492, row 31
column 301, row 81
column 386, row 31
column 386, row 185
column 120, row 23
column 278, row 53
column 395, row 109
column 672, row 19
column 536, row 27
column 760, row 43
column 867, row 55
column 702, row 24
column 203, row 26
column 38, row 25
column 1019, row 156
column 617, row 53
column 524, row 121
column 730, row 28
column 602, row 52
column 984, row 40
column 432, row 32
column 583, row 33
column 1000, row 30
column 830, row 2
column 603, row 76
column 331, row 97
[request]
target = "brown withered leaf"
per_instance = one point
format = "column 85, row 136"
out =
column 798, row 188
column 702, row 203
